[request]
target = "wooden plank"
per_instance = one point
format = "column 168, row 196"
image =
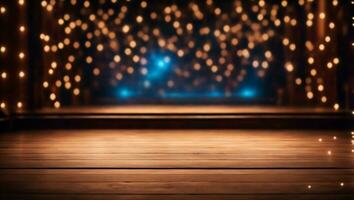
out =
column 176, row 181
column 174, row 175
column 35, row 187
column 176, row 149
column 179, row 197
column 203, row 164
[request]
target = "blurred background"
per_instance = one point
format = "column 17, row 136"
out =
column 72, row 53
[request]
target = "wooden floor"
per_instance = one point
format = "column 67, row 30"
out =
column 176, row 164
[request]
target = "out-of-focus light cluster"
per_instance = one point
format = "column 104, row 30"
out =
column 320, row 51
column 7, row 71
column 176, row 49
column 155, row 49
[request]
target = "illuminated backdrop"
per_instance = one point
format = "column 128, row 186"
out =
column 282, row 51
column 167, row 49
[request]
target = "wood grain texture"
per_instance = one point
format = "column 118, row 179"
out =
column 175, row 149
column 176, row 164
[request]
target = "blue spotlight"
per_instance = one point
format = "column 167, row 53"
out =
column 158, row 65
column 194, row 95
column 161, row 63
column 247, row 93
column 215, row 94
column 124, row 93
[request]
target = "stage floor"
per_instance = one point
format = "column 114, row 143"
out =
column 176, row 164
column 184, row 109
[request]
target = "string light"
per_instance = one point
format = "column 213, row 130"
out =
column 21, row 55
column 21, row 2
column 57, row 104
column 2, row 49
column 19, row 104
column 3, row 75
column 289, row 67
column 324, row 47
column 21, row 74
column 2, row 10
column 76, row 91
column 22, row 28
column 45, row 84
column 52, row 97
column 323, row 99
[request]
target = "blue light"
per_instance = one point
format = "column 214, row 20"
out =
column 158, row 65
column 147, row 84
column 248, row 93
column 161, row 64
column 191, row 95
column 214, row 94
column 124, row 93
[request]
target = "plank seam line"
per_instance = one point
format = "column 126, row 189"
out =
column 176, row 168
column 179, row 194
